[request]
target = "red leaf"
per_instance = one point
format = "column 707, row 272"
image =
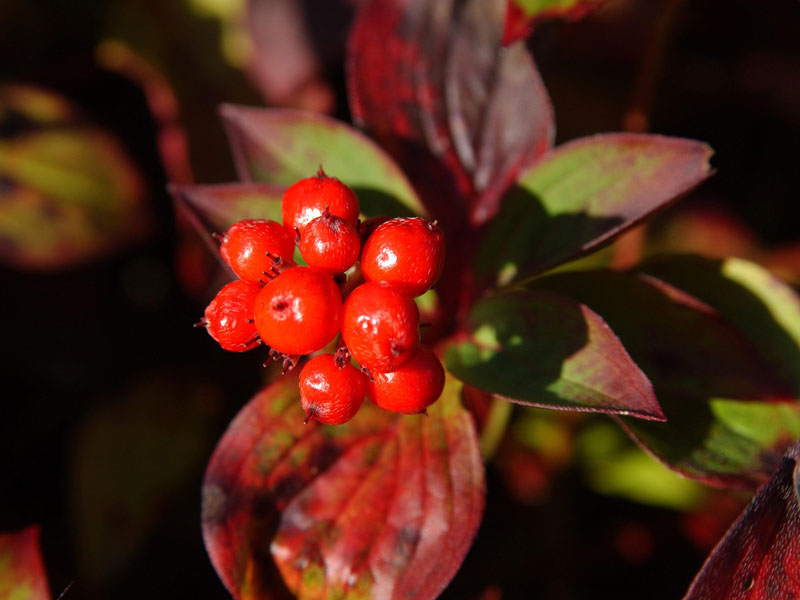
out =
column 22, row 573
column 430, row 80
column 759, row 557
column 382, row 506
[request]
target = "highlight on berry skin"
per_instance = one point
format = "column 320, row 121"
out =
column 331, row 394
column 254, row 247
column 330, row 244
column 380, row 326
column 311, row 197
column 299, row 312
column 407, row 252
column 358, row 288
column 229, row 317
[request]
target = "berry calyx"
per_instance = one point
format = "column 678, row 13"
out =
column 405, row 252
column 330, row 394
column 380, row 326
column 254, row 246
column 229, row 317
column 411, row 388
column 310, row 197
column 299, row 311
column 330, row 243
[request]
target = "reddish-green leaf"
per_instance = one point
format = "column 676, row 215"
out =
column 279, row 147
column 431, row 81
column 68, row 191
column 22, row 574
column 220, row 206
column 707, row 374
column 763, row 307
column 584, row 194
column 383, row 506
column 522, row 15
column 542, row 349
column 759, row 557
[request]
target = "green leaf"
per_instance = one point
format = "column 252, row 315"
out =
column 725, row 443
column 280, row 147
column 541, row 349
column 614, row 465
column 720, row 396
column 760, row 305
column 583, row 195
column 68, row 192
column 383, row 506
column 22, row 574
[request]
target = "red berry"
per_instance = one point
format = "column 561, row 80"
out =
column 329, row 394
column 308, row 198
column 330, row 244
column 380, row 326
column 229, row 316
column 411, row 388
column 406, row 252
column 299, row 311
column 251, row 247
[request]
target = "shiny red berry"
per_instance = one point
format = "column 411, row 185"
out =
column 380, row 326
column 411, row 388
column 299, row 311
column 229, row 317
column 308, row 198
column 406, row 252
column 251, row 248
column 330, row 243
column 329, row 394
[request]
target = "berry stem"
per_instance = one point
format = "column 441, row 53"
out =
column 289, row 363
column 342, row 356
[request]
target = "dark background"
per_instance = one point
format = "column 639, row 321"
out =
column 112, row 402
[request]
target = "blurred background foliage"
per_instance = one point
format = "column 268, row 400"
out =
column 113, row 401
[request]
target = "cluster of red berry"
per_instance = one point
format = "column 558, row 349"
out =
column 299, row 310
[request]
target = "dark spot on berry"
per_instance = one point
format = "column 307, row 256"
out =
column 280, row 305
